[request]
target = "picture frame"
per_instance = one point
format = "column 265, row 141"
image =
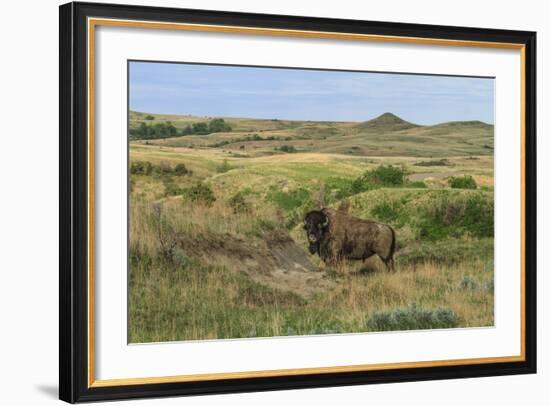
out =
column 79, row 164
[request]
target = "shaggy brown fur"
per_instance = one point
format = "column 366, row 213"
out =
column 334, row 235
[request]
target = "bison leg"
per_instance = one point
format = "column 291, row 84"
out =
column 330, row 261
column 389, row 263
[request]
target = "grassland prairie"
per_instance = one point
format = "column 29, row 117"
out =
column 217, row 248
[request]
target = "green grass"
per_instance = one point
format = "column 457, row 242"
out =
column 289, row 200
column 449, row 251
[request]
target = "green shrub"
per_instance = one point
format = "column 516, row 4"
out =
column 378, row 177
column 200, row 128
column 199, row 193
column 386, row 175
column 287, row 148
column 479, row 217
column 413, row 318
column 462, row 182
column 149, row 117
column 360, row 185
column 468, row 283
column 238, row 203
column 218, row 125
column 141, row 168
column 187, row 130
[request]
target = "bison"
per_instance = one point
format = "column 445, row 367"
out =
column 334, row 235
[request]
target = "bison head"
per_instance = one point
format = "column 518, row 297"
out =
column 315, row 224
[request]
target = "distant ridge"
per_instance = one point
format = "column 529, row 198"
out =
column 470, row 124
column 386, row 122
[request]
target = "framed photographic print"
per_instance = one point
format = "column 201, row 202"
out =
column 258, row 202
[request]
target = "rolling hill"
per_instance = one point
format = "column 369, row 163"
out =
column 386, row 135
column 386, row 122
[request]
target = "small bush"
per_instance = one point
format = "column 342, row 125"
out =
column 287, row 148
column 141, row 168
column 149, row 117
column 181, row 170
column 381, row 176
column 413, row 318
column 462, row 182
column 199, row 193
column 238, row 203
column 200, row 128
column 468, row 283
column 386, row 175
column 224, row 167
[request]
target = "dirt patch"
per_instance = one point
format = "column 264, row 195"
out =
column 429, row 175
column 275, row 261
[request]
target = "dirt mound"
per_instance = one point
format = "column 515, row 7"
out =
column 275, row 261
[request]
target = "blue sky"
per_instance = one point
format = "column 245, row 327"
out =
column 234, row 91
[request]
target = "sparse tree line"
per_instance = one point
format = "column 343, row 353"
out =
column 167, row 130
column 163, row 168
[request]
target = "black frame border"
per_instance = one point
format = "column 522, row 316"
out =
column 73, row 202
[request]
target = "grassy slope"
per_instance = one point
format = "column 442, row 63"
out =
column 454, row 272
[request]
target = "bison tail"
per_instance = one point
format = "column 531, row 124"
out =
column 392, row 247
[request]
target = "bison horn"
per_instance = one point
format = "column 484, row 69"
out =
column 325, row 223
